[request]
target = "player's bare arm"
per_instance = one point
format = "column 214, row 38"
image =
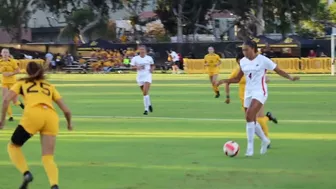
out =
column 267, row 79
column 6, row 101
column 285, row 74
column 152, row 68
column 8, row 74
column 227, row 91
column 66, row 111
column 232, row 80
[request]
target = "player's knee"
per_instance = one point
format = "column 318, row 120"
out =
column 20, row 136
column 250, row 116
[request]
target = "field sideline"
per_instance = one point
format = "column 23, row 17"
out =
column 179, row 146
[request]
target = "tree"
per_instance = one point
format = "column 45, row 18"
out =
column 134, row 8
column 84, row 18
column 14, row 15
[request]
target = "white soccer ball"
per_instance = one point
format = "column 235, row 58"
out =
column 231, row 148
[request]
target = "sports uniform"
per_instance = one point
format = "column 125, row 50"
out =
column 255, row 74
column 144, row 75
column 8, row 66
column 39, row 114
column 256, row 88
column 212, row 60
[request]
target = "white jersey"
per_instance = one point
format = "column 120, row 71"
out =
column 255, row 73
column 174, row 56
column 145, row 62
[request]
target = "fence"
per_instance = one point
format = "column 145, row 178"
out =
column 290, row 65
column 22, row 63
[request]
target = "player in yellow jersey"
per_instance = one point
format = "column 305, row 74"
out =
column 212, row 62
column 9, row 68
column 262, row 118
column 39, row 116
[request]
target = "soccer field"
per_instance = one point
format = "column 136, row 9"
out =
column 179, row 146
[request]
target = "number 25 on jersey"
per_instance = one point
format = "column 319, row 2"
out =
column 39, row 87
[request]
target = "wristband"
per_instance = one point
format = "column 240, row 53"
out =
column 227, row 96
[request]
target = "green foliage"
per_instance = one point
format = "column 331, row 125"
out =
column 14, row 14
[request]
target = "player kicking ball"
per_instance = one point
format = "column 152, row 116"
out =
column 144, row 65
column 254, row 67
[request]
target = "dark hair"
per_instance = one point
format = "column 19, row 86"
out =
column 142, row 46
column 35, row 72
column 239, row 56
column 252, row 44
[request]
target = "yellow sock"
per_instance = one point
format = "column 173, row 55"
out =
column 51, row 169
column 17, row 157
column 9, row 111
column 263, row 123
column 215, row 88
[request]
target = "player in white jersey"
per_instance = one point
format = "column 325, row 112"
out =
column 144, row 65
column 254, row 66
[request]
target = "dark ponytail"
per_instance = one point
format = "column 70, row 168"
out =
column 252, row 44
column 35, row 72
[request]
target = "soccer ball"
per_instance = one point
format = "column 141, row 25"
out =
column 231, row 148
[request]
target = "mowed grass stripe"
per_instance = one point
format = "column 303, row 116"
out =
column 182, row 167
column 98, row 118
column 111, row 134
column 291, row 85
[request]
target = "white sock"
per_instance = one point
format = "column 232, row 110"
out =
column 145, row 103
column 148, row 100
column 260, row 133
column 250, row 130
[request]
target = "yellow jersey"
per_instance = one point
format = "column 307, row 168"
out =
column 8, row 66
column 212, row 60
column 36, row 93
column 241, row 83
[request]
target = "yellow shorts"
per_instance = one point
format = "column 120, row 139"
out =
column 212, row 73
column 7, row 85
column 40, row 118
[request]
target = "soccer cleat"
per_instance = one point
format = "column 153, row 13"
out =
column 11, row 119
column 264, row 146
column 217, row 94
column 22, row 105
column 269, row 146
column 27, row 178
column 145, row 113
column 54, row 187
column 150, row 108
column 249, row 153
column 271, row 117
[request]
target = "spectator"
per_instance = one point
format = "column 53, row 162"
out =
column 176, row 61
column 312, row 54
column 323, row 55
column 49, row 57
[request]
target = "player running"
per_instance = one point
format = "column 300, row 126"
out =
column 261, row 117
column 144, row 65
column 39, row 116
column 212, row 62
column 9, row 68
column 254, row 66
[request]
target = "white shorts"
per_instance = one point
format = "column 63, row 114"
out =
column 257, row 96
column 141, row 80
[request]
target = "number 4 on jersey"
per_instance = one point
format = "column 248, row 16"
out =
column 250, row 75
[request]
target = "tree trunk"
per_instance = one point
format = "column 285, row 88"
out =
column 260, row 12
column 179, row 22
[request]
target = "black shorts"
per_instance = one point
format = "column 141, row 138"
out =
column 177, row 63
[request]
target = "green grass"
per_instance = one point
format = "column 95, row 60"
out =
column 179, row 146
